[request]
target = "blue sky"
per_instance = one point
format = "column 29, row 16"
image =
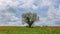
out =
column 47, row 10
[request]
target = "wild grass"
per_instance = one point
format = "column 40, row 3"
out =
column 25, row 30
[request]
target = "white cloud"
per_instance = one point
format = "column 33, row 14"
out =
column 27, row 4
column 46, row 2
column 53, row 15
column 7, row 12
column 8, row 9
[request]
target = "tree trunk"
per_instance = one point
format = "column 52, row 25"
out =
column 29, row 26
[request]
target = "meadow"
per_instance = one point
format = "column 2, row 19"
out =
column 25, row 30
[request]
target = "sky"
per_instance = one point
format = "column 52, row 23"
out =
column 47, row 10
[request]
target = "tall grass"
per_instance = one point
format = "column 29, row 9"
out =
column 24, row 30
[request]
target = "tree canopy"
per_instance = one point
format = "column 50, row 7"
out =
column 29, row 18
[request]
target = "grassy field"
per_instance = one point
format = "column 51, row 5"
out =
column 24, row 30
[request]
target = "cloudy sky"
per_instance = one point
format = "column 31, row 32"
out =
column 47, row 10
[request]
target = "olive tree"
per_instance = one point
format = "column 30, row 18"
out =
column 29, row 18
